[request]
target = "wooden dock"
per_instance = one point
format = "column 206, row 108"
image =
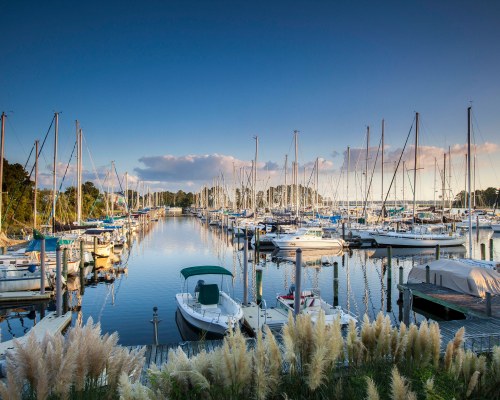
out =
column 50, row 324
column 469, row 305
column 12, row 297
column 254, row 318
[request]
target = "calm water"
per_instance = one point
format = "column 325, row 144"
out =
column 155, row 258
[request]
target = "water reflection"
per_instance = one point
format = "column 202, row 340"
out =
column 190, row 332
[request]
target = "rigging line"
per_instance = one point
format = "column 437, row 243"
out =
column 476, row 126
column 371, row 178
column 15, row 134
column 397, row 166
column 93, row 165
column 31, row 172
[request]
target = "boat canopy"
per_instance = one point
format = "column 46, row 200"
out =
column 204, row 270
column 51, row 243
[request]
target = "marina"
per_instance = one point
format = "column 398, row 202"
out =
column 359, row 280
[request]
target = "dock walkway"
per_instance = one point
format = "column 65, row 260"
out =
column 49, row 324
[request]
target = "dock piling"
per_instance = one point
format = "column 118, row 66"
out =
column 65, row 263
column 491, row 249
column 155, row 321
column 58, row 283
column 483, row 251
column 389, row 279
column 82, row 269
column 438, row 252
column 42, row 266
column 427, row 274
column 335, row 284
column 298, row 278
column 488, row 304
column 258, row 283
column 406, row 306
column 477, row 228
column 245, row 271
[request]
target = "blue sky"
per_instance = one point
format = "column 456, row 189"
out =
column 201, row 78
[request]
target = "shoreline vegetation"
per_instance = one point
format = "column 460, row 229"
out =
column 310, row 361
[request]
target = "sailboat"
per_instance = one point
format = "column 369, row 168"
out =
column 421, row 235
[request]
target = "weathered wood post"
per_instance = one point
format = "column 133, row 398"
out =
column 298, row 278
column 488, row 304
column 65, row 263
column 491, row 249
column 245, row 271
column 95, row 250
column 155, row 321
column 427, row 274
column 335, row 284
column 42, row 266
column 406, row 306
column 58, row 282
column 343, row 230
column 483, row 251
column 258, row 284
column 389, row 279
column 82, row 268
column 438, row 252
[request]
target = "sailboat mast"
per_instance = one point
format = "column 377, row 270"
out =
column 286, row 184
column 255, row 176
column 78, row 175
column 382, row 165
column 444, row 185
column 366, row 172
column 317, row 182
column 54, row 177
column 435, row 168
column 449, row 178
column 296, row 175
column 36, row 185
column 347, row 180
column 416, row 166
column 469, row 180
column 2, row 146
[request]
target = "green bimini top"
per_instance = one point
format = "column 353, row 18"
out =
column 204, row 270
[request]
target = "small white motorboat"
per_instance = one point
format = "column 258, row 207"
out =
column 308, row 238
column 208, row 308
column 311, row 303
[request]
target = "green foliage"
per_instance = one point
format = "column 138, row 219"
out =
column 484, row 198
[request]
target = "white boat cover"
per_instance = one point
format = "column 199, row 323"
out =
column 462, row 277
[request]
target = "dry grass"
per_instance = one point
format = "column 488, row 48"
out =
column 60, row 366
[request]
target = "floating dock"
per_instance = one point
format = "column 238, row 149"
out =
column 48, row 325
column 11, row 297
column 254, row 318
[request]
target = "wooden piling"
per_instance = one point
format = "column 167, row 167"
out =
column 438, row 252
column 335, row 284
column 298, row 279
column 406, row 306
column 483, row 251
column 82, row 269
column 427, row 274
column 491, row 249
column 245, row 271
column 258, row 284
column 65, row 264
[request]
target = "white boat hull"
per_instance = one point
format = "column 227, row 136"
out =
column 317, row 244
column 416, row 240
column 208, row 319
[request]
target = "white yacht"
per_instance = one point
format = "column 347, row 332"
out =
column 307, row 238
column 421, row 236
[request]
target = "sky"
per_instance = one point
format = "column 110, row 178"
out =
column 174, row 92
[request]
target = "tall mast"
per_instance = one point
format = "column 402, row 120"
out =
column 126, row 192
column 416, row 166
column 296, row 175
column 449, row 177
column 286, row 184
column 347, row 180
column 2, row 146
column 444, row 184
column 54, row 178
column 366, row 172
column 382, row 165
column 36, row 185
column 255, row 177
column 317, row 182
column 469, row 180
column 78, row 174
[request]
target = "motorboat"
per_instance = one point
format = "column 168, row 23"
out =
column 208, row 308
column 308, row 238
column 421, row 236
column 312, row 304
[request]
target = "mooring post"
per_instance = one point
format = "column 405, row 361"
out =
column 95, row 250
column 438, row 252
column 491, row 249
column 488, row 304
column 42, row 266
column 343, row 230
column 401, row 276
column 82, row 268
column 298, row 278
column 258, row 283
column 58, row 282
column 483, row 251
column 335, row 283
column 427, row 274
column 406, row 306
column 389, row 278
column 155, row 321
column 65, row 263
column 245, row 271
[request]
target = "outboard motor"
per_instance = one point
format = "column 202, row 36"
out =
column 291, row 291
column 199, row 284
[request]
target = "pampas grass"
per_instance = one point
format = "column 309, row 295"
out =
column 56, row 367
column 371, row 390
